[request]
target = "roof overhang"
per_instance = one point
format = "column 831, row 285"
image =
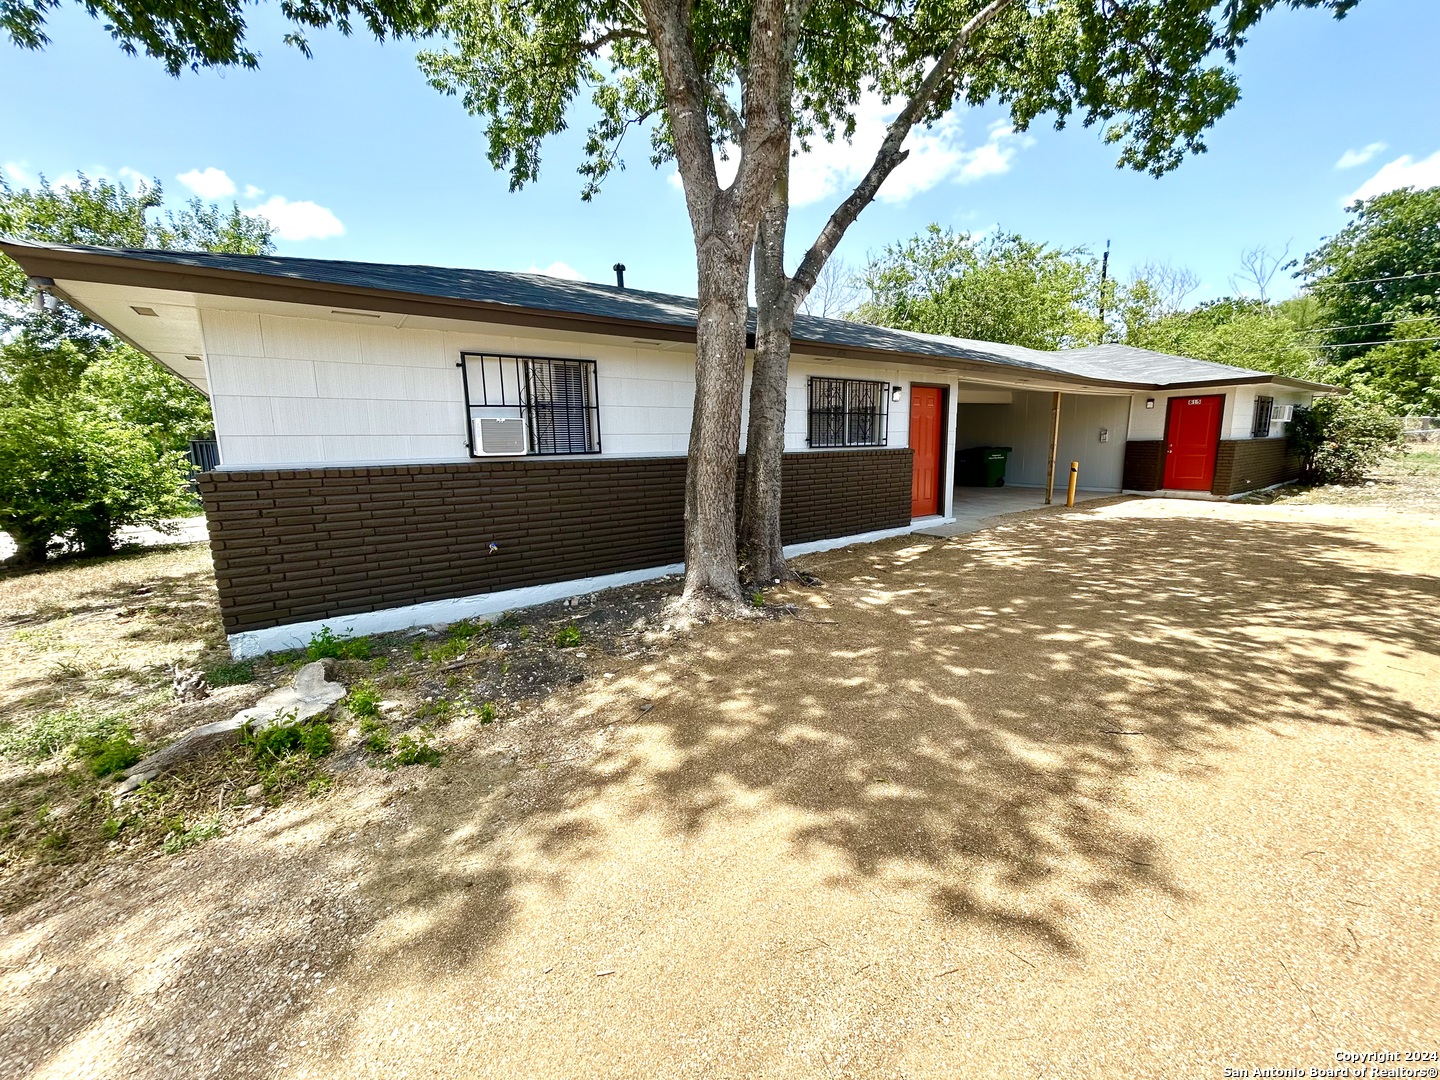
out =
column 72, row 265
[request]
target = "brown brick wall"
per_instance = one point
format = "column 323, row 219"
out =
column 1144, row 465
column 298, row 544
column 1247, row 464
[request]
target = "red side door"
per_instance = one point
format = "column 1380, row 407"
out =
column 925, row 440
column 1192, row 436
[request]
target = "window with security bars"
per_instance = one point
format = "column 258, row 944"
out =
column 1264, row 412
column 847, row 412
column 530, row 405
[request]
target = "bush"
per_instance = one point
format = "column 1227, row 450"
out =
column 1342, row 437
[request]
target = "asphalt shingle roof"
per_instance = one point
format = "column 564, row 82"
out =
column 1123, row 364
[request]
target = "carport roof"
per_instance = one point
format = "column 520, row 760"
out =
column 537, row 299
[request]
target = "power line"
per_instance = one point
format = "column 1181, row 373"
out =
column 1371, row 281
column 1382, row 322
column 1390, row 341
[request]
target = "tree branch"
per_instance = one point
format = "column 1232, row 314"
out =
column 890, row 155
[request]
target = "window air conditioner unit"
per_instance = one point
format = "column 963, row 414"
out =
column 498, row 433
column 1283, row 414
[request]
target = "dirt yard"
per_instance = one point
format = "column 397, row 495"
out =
column 1148, row 788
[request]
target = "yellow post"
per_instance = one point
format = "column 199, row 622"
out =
column 1074, row 476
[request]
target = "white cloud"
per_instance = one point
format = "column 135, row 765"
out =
column 18, row 174
column 936, row 154
column 208, row 183
column 303, row 220
column 557, row 269
column 1352, row 158
column 253, row 192
column 1403, row 172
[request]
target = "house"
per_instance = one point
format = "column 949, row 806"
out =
column 407, row 445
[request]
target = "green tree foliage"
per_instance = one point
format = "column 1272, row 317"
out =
column 1236, row 331
column 91, row 431
column 1377, row 283
column 211, row 33
column 999, row 287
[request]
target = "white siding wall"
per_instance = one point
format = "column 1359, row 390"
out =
column 289, row 390
column 1149, row 424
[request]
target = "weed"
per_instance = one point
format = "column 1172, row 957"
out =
column 283, row 754
column 105, row 755
column 417, row 650
column 380, row 664
column 363, row 699
column 413, row 751
column 465, row 630
column 487, row 712
column 439, row 708
column 179, row 837
column 508, row 621
column 232, row 674
column 450, row 649
column 326, row 644
column 376, row 736
column 318, row 786
column 525, row 632
column 567, row 637
column 757, row 599
column 55, row 841
column 504, row 667
column 111, row 827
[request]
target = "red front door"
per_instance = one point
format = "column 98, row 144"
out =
column 1192, row 435
column 925, row 440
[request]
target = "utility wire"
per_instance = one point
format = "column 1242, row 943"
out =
column 1390, row 341
column 1370, row 281
column 1382, row 322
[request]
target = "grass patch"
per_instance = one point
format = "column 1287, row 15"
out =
column 231, row 674
column 182, row 836
column 326, row 645
column 50, row 733
column 106, row 755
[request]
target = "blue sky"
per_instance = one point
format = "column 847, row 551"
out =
column 356, row 157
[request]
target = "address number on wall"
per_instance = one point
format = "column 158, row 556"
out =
column 1193, row 401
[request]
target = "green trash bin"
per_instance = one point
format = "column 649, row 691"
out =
column 981, row 466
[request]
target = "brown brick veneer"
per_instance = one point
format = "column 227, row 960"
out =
column 1144, row 465
column 1247, row 464
column 293, row 545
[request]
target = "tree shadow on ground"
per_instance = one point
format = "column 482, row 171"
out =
column 954, row 719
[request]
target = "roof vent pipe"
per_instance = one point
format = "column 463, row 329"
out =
column 619, row 269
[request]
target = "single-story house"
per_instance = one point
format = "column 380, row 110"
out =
column 407, row 445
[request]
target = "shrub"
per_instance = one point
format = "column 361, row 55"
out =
column 1340, row 438
column 232, row 674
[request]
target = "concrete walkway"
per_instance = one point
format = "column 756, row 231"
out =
column 976, row 507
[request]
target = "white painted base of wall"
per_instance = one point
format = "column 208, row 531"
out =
column 249, row 643
column 1176, row 493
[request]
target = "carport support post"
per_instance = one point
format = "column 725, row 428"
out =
column 1054, row 448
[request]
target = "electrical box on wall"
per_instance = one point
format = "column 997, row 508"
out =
column 1104, row 434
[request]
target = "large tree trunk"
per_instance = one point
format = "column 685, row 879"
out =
column 710, row 559
column 765, row 435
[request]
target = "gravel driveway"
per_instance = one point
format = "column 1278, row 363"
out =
column 1147, row 789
